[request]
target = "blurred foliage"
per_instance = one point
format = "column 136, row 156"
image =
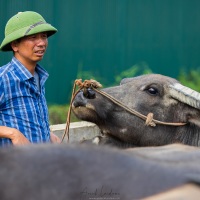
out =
column 140, row 68
column 58, row 113
column 137, row 69
column 190, row 79
column 85, row 75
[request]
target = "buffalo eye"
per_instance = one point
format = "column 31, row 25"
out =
column 152, row 91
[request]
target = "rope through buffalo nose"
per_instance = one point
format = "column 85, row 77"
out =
column 82, row 85
column 149, row 120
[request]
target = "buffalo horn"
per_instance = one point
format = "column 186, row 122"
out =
column 185, row 95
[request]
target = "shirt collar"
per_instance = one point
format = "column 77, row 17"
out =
column 24, row 72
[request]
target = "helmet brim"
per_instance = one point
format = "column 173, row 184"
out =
column 45, row 27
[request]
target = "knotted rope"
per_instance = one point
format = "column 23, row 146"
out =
column 149, row 121
column 82, row 85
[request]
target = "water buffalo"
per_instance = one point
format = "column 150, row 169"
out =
column 153, row 95
column 85, row 172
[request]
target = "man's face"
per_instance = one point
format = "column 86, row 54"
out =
column 30, row 49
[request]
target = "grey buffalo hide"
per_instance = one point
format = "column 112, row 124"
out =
column 156, row 96
column 70, row 172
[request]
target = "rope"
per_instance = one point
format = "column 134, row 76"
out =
column 149, row 121
column 149, row 118
column 82, row 85
column 69, row 113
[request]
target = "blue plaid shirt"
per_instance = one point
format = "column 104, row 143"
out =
column 22, row 104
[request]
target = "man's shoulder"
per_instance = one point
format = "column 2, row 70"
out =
column 5, row 69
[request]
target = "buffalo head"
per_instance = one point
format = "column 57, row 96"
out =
column 165, row 97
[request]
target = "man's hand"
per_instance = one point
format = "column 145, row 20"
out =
column 15, row 135
column 54, row 138
column 19, row 139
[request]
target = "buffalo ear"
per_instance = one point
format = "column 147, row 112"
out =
column 125, row 80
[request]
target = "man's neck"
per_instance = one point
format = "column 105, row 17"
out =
column 30, row 65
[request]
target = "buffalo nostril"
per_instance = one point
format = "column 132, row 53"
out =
column 80, row 100
column 89, row 93
column 92, row 94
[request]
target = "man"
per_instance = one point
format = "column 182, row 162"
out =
column 23, row 110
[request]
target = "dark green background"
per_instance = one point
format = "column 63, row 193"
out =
column 107, row 37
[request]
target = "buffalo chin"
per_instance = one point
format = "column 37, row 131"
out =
column 84, row 113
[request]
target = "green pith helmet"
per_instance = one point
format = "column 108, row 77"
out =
column 24, row 24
